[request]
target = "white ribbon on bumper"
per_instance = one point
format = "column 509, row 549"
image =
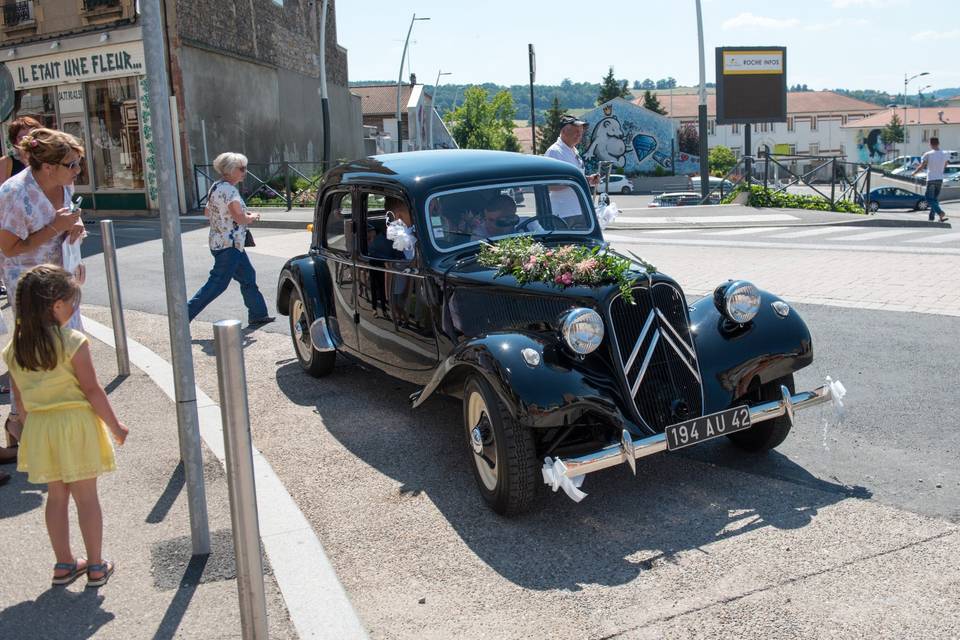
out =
column 837, row 392
column 553, row 477
column 607, row 214
column 402, row 236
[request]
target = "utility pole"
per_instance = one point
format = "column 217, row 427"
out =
column 155, row 58
column 403, row 57
column 533, row 113
column 433, row 102
column 702, row 112
column 324, row 101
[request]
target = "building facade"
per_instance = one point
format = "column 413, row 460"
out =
column 864, row 139
column 379, row 106
column 244, row 77
column 813, row 126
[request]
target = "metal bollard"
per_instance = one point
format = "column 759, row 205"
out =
column 116, row 304
column 232, row 381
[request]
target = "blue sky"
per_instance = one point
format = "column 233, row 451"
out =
column 854, row 44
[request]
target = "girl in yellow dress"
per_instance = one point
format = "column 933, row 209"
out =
column 65, row 443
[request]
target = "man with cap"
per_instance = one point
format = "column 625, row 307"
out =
column 565, row 149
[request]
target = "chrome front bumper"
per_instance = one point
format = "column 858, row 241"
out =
column 629, row 450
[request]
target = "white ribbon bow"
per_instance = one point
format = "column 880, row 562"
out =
column 402, row 236
column 837, row 392
column 554, row 478
column 607, row 214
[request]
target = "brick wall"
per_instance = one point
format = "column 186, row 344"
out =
column 286, row 37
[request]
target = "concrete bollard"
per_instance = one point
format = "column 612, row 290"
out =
column 116, row 304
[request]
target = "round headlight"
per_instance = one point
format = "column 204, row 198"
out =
column 582, row 330
column 739, row 301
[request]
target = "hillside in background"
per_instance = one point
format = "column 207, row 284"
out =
column 580, row 96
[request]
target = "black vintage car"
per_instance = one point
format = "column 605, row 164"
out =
column 556, row 381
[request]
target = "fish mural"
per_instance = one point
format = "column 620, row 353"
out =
column 633, row 139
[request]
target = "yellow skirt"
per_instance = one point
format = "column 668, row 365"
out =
column 65, row 445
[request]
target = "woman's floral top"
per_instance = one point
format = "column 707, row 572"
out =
column 224, row 232
column 25, row 209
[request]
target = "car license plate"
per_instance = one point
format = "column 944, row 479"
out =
column 689, row 432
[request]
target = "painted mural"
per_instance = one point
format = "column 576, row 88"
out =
column 633, row 139
column 870, row 148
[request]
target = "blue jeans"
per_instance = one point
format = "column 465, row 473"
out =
column 230, row 264
column 933, row 192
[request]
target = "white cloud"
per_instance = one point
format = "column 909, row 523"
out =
column 936, row 35
column 747, row 19
column 836, row 24
column 871, row 4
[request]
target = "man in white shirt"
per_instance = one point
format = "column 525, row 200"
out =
column 564, row 200
column 934, row 161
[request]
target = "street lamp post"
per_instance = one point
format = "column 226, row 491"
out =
column 702, row 114
column 919, row 98
column 906, row 80
column 433, row 101
column 403, row 57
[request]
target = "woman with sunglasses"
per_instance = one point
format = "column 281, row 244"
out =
column 228, row 234
column 35, row 218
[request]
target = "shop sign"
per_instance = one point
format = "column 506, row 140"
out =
column 7, row 95
column 111, row 61
column 70, row 97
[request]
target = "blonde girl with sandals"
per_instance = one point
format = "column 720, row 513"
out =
column 68, row 419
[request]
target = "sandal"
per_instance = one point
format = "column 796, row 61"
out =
column 73, row 569
column 105, row 567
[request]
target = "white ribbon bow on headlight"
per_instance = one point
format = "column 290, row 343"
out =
column 607, row 214
column 402, row 235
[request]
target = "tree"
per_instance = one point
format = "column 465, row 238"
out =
column 482, row 124
column 666, row 83
column 550, row 130
column 650, row 102
column 688, row 140
column 611, row 88
column 636, row 85
column 648, row 84
column 721, row 159
column 893, row 132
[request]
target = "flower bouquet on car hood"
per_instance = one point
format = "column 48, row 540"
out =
column 566, row 266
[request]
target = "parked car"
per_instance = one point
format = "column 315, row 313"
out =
column 555, row 381
column 617, row 184
column 950, row 172
column 901, row 164
column 719, row 186
column 681, row 199
column 895, row 198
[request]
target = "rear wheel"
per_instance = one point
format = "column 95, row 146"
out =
column 502, row 451
column 922, row 205
column 768, row 434
column 625, row 190
column 874, row 206
column 316, row 363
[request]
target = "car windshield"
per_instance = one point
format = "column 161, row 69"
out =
column 467, row 216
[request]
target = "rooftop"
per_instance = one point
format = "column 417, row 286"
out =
column 381, row 99
column 798, row 102
column 923, row 116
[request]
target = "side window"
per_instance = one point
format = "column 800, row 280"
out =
column 379, row 210
column 339, row 223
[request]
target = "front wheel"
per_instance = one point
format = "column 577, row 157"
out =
column 316, row 363
column 874, row 206
column 625, row 191
column 768, row 434
column 502, row 450
column 922, row 205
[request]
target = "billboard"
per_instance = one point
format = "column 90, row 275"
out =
column 751, row 84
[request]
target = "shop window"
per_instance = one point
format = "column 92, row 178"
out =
column 39, row 103
column 114, row 125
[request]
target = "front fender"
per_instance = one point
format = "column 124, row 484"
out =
column 732, row 356
column 309, row 275
column 558, row 391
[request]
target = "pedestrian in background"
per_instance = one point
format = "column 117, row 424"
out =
column 65, row 442
column 565, row 148
column 35, row 218
column 228, row 234
column 16, row 161
column 934, row 161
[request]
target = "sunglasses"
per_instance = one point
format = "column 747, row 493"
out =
column 71, row 165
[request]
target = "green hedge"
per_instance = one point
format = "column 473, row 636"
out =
column 760, row 197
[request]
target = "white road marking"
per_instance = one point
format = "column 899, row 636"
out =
column 945, row 237
column 819, row 231
column 877, row 235
column 645, row 220
column 664, row 231
column 747, row 244
column 318, row 604
column 745, row 231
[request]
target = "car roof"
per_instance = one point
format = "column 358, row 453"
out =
column 420, row 172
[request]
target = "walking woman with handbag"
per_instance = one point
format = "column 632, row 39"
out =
column 228, row 237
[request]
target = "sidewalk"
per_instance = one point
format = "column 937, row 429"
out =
column 158, row 591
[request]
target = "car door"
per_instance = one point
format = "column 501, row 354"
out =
column 338, row 250
column 395, row 317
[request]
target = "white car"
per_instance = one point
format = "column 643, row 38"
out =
column 617, row 184
column 681, row 199
column 950, row 173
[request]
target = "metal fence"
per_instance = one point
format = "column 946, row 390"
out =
column 275, row 184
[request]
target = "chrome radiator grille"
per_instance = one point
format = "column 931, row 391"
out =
column 657, row 356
